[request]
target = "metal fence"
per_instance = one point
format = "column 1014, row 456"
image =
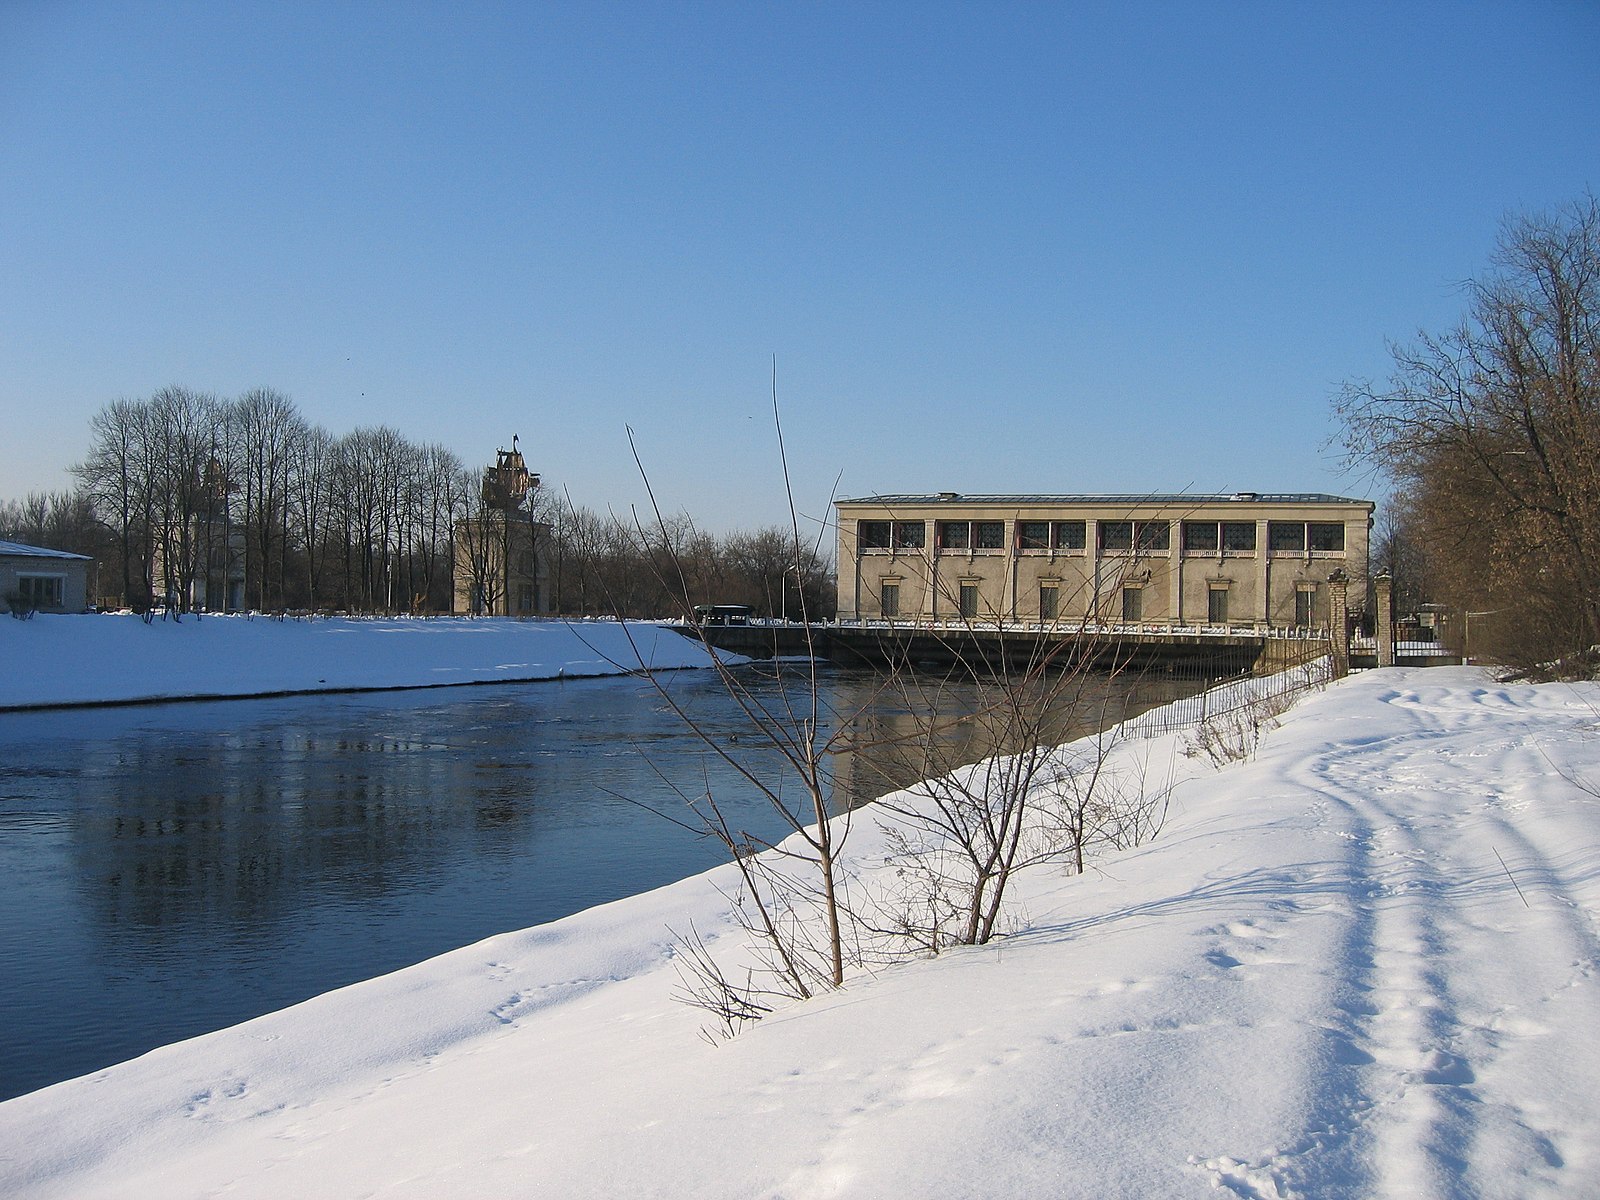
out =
column 1233, row 695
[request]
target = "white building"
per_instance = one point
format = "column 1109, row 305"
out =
column 36, row 579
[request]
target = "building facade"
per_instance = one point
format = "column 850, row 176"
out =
column 1228, row 560
column 485, row 547
column 36, row 579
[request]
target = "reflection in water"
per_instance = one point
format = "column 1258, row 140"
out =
column 170, row 870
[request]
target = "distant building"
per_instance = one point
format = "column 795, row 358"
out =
column 197, row 560
column 483, row 586
column 1243, row 559
column 36, row 579
column 502, row 555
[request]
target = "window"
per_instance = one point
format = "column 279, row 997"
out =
column 1068, row 535
column 1286, row 535
column 897, row 535
column 1154, row 535
column 954, row 535
column 969, row 600
column 1049, row 601
column 1325, row 535
column 1217, row 606
column 42, row 591
column 889, row 600
column 1200, row 535
column 1305, row 606
column 1238, row 535
column 1116, row 535
column 910, row 535
column 1210, row 537
column 963, row 535
column 525, row 598
column 1132, row 604
column 1033, row 535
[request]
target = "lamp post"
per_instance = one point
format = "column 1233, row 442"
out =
column 783, row 592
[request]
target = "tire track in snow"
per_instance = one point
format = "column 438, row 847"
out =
column 1413, row 1101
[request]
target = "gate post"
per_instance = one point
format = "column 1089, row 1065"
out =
column 1384, row 585
column 1339, row 621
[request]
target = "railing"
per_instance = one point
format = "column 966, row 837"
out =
column 1067, row 629
column 1365, row 643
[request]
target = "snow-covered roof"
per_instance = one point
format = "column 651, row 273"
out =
column 23, row 550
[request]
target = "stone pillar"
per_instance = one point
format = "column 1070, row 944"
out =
column 1384, row 586
column 1263, row 574
column 1175, row 565
column 1339, row 621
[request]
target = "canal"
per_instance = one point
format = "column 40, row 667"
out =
column 169, row 870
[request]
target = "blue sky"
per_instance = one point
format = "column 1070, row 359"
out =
column 992, row 247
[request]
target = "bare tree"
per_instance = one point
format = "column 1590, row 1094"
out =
column 791, row 899
column 1493, row 430
column 116, row 474
column 266, row 428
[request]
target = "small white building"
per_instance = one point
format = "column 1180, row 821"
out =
column 36, row 579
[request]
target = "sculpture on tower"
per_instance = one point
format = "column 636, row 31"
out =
column 500, row 562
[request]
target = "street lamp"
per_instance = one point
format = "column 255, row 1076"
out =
column 783, row 592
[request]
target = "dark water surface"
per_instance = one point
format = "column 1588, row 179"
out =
column 174, row 869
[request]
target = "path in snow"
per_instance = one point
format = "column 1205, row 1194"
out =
column 1448, row 978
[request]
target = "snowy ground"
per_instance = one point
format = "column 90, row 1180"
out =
column 110, row 658
column 1320, row 981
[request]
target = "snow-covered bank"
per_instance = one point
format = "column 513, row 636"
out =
column 101, row 659
column 1320, row 981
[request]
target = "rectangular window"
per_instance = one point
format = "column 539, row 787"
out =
column 889, row 599
column 1305, row 607
column 954, row 535
column 1217, row 606
column 1239, row 535
column 1116, row 535
column 1325, row 535
column 1068, row 535
column 1286, row 535
column 1154, row 535
column 989, row 535
column 1049, row 601
column 873, row 535
column 1132, row 604
column 42, row 591
column 1200, row 535
column 910, row 535
column 1033, row 535
column 969, row 600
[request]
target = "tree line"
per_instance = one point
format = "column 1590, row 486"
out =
column 1490, row 432
column 195, row 502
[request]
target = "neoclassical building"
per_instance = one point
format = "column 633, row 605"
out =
column 1242, row 559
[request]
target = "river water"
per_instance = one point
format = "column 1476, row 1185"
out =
column 173, row 869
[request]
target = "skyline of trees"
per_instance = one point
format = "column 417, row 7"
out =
column 185, row 496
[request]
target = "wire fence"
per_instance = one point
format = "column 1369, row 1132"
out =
column 1234, row 695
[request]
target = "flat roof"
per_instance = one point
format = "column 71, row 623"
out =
column 1189, row 499
column 23, row 550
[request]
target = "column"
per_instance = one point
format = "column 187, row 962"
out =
column 1339, row 621
column 1384, row 586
